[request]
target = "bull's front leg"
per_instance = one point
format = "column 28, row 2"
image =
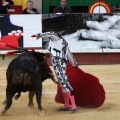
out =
column 38, row 99
column 31, row 95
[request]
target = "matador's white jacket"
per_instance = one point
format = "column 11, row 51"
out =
column 58, row 47
column 60, row 54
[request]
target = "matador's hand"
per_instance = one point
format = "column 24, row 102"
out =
column 37, row 36
column 76, row 65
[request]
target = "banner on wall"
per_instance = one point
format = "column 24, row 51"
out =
column 99, row 6
column 16, row 30
column 85, row 31
column 81, row 31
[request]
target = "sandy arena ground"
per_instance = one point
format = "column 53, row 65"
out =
column 109, row 76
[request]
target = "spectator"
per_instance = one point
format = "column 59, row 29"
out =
column 8, row 2
column 62, row 8
column 29, row 8
column 4, row 6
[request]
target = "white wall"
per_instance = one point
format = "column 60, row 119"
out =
column 38, row 5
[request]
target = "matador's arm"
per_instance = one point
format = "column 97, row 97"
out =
column 51, row 35
column 71, row 58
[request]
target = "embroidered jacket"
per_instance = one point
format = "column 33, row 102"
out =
column 58, row 47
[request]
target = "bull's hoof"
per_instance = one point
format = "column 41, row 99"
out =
column 16, row 97
column 30, row 105
column 55, row 81
column 41, row 112
column 3, row 112
column 74, row 110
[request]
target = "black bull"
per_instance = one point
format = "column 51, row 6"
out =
column 26, row 73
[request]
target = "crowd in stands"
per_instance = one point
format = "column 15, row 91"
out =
column 5, row 5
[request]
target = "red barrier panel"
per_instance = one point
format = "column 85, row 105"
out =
column 15, row 9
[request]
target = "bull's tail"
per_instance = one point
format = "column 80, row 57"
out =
column 21, row 77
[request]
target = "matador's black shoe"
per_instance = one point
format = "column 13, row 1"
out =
column 64, row 109
column 74, row 110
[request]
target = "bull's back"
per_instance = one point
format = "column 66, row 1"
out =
column 21, row 69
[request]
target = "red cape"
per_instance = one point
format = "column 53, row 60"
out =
column 88, row 90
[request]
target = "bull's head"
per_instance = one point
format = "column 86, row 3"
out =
column 46, row 72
